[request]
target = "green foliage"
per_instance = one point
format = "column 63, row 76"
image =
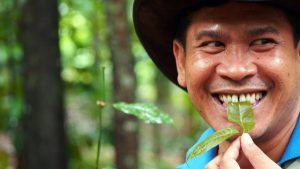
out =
column 4, row 160
column 84, row 50
column 213, row 140
column 240, row 113
column 146, row 112
column 11, row 102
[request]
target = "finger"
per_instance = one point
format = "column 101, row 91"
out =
column 223, row 147
column 228, row 160
column 214, row 164
column 255, row 155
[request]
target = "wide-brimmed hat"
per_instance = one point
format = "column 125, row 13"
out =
column 155, row 23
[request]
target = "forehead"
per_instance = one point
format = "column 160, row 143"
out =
column 236, row 13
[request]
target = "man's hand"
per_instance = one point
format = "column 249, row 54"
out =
column 228, row 160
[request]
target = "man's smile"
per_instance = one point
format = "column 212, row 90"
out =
column 253, row 97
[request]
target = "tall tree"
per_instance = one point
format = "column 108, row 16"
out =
column 125, row 127
column 44, row 136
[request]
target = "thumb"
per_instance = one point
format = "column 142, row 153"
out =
column 255, row 155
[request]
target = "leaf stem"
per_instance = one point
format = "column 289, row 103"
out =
column 100, row 104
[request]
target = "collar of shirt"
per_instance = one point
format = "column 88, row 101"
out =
column 292, row 150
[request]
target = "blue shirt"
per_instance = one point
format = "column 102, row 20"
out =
column 292, row 150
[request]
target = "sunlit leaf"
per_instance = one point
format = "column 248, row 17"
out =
column 242, row 114
column 212, row 141
column 146, row 112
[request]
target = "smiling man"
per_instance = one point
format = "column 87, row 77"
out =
column 228, row 51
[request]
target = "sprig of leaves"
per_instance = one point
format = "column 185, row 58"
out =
column 240, row 113
column 146, row 112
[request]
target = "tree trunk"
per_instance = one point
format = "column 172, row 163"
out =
column 44, row 136
column 125, row 127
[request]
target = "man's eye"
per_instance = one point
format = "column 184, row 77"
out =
column 212, row 47
column 263, row 45
column 212, row 44
column 263, row 41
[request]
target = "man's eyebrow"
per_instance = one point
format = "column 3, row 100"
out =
column 262, row 30
column 215, row 34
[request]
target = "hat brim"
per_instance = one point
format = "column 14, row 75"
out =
column 155, row 23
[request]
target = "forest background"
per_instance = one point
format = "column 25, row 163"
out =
column 51, row 56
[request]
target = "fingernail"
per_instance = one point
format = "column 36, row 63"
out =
column 246, row 139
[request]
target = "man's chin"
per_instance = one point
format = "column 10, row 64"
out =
column 257, row 133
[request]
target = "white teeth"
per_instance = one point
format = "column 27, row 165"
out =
column 251, row 97
column 252, row 100
column 234, row 98
column 248, row 97
column 225, row 99
column 228, row 98
column 258, row 96
column 242, row 98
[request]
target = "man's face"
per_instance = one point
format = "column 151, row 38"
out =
column 241, row 51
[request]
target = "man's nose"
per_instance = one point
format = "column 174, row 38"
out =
column 236, row 70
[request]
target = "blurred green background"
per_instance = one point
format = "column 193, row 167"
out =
column 51, row 55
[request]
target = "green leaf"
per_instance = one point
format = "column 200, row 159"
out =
column 212, row 141
column 146, row 112
column 242, row 114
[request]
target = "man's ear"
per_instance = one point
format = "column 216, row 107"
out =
column 298, row 48
column 179, row 54
column 298, row 51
